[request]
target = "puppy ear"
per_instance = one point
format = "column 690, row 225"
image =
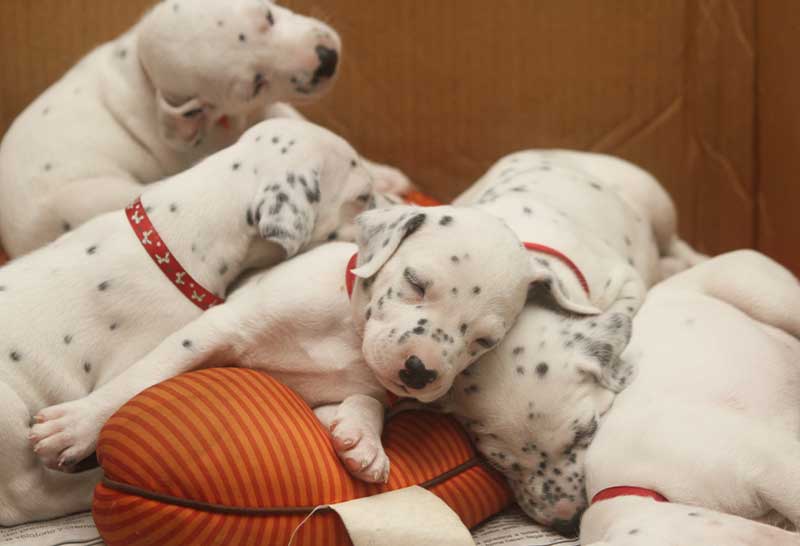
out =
column 285, row 209
column 181, row 126
column 380, row 233
column 607, row 336
column 574, row 300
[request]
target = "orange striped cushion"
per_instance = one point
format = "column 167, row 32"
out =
column 207, row 458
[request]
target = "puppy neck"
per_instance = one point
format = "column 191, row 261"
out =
column 202, row 217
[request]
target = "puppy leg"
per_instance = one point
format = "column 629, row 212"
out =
column 635, row 521
column 751, row 282
column 355, row 427
column 28, row 491
column 67, row 433
column 779, row 482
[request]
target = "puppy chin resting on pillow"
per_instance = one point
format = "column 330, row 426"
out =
column 185, row 82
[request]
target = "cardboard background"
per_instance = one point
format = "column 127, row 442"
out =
column 699, row 92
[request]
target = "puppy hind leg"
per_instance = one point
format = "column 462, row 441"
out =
column 29, row 491
column 751, row 282
column 778, row 483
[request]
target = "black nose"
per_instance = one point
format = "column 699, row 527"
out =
column 416, row 375
column 328, row 59
column 568, row 528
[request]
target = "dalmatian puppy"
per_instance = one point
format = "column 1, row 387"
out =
column 428, row 299
column 708, row 417
column 78, row 312
column 711, row 418
column 608, row 231
column 185, row 82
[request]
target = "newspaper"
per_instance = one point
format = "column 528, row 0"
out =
column 511, row 528
column 75, row 530
column 514, row 528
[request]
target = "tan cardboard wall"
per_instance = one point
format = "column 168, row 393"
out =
column 442, row 88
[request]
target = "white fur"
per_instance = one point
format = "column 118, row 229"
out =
column 618, row 225
column 78, row 312
column 148, row 105
column 295, row 322
column 711, row 419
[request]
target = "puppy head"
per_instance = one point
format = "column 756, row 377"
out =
column 437, row 288
column 534, row 404
column 209, row 58
column 310, row 183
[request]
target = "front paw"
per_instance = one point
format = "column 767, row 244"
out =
column 64, row 435
column 361, row 451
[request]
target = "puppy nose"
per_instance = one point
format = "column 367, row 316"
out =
column 328, row 59
column 416, row 375
column 567, row 527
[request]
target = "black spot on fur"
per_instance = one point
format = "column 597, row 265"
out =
column 67, row 339
column 541, row 369
column 353, row 163
column 520, row 370
column 476, row 290
column 103, row 286
column 48, row 167
column 633, row 532
column 455, row 259
column 454, row 291
column 113, row 326
column 236, row 166
column 446, row 221
column 91, row 250
column 173, row 207
column 66, row 226
column 242, row 38
column 463, row 329
column 87, row 367
column 518, row 351
column 249, row 218
column 414, row 223
column 187, row 343
column 419, row 330
column 15, row 356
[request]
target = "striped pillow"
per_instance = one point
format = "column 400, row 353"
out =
column 230, row 456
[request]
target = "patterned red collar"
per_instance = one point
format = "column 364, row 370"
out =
column 157, row 249
column 628, row 491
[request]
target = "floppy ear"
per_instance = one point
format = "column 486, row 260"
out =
column 605, row 339
column 181, row 126
column 380, row 233
column 572, row 300
column 285, row 209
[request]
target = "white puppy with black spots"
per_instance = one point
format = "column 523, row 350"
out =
column 709, row 417
column 183, row 83
column 77, row 313
column 428, row 295
column 614, row 229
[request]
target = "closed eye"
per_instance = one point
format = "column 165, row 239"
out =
column 418, row 285
column 485, row 342
column 270, row 18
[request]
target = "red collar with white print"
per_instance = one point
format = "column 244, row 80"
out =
column 628, row 491
column 158, row 251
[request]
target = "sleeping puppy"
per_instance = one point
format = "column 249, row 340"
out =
column 606, row 231
column 183, row 83
column 708, row 419
column 434, row 288
column 78, row 312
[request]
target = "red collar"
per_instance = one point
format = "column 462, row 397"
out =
column 628, row 491
column 563, row 257
column 350, row 278
column 157, row 249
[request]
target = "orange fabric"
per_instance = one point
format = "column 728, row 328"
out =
column 3, row 257
column 415, row 197
column 236, row 437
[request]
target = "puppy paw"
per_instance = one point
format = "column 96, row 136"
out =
column 360, row 450
column 389, row 180
column 63, row 435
